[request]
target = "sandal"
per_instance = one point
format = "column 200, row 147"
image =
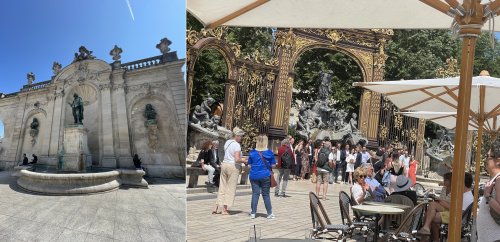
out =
column 225, row 213
column 423, row 231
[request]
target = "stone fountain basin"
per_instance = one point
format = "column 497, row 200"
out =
column 79, row 183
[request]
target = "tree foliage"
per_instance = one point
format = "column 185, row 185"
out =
column 211, row 68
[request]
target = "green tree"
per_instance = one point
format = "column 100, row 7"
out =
column 345, row 72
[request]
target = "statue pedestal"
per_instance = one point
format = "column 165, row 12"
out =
column 76, row 156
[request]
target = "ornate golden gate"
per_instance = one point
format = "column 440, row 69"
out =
column 259, row 90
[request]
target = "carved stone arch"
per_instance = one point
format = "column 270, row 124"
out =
column 25, row 130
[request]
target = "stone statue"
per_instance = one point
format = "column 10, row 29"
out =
column 56, row 68
column 31, row 77
column 150, row 115
column 199, row 115
column 353, row 122
column 445, row 142
column 83, row 54
column 325, row 84
column 77, row 107
column 115, row 52
column 163, row 45
column 34, row 127
column 207, row 105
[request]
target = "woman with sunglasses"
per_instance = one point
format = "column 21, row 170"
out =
column 488, row 217
column 360, row 190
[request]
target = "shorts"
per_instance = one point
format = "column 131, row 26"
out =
column 445, row 217
column 322, row 177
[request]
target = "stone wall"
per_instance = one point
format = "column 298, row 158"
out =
column 115, row 97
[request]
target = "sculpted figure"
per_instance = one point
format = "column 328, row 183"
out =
column 324, row 88
column 31, row 77
column 83, row 54
column 150, row 114
column 354, row 123
column 199, row 115
column 77, row 107
column 207, row 105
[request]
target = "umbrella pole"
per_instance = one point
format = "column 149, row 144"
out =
column 464, row 93
column 482, row 93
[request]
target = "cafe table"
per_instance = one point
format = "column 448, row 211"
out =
column 394, row 205
column 377, row 211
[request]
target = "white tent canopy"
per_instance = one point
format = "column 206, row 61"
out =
column 438, row 95
column 449, row 120
column 340, row 14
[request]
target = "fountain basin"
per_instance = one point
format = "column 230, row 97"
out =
column 79, row 183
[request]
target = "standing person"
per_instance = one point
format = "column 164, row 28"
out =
column 405, row 160
column 351, row 159
column 230, row 170
column 412, row 170
column 310, row 145
column 205, row 160
column 305, row 161
column 137, row 162
column 261, row 160
column 323, row 167
column 216, row 162
column 344, row 159
column 285, row 161
column 359, row 157
column 365, row 156
column 298, row 160
column 488, row 217
column 333, row 158
column 338, row 164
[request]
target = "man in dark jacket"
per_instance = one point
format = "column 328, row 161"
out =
column 359, row 157
column 343, row 160
column 286, row 160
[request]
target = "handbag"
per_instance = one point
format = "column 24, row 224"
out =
column 273, row 181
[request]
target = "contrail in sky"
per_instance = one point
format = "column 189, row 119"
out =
column 130, row 8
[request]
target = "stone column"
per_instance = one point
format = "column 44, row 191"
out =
column 57, row 122
column 14, row 151
column 47, row 125
column 107, row 149
column 123, row 137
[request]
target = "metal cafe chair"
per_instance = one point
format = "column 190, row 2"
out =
column 365, row 227
column 321, row 222
column 466, row 226
column 408, row 227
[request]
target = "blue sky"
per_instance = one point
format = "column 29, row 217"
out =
column 34, row 34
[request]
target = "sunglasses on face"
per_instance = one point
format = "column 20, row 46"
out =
column 362, row 177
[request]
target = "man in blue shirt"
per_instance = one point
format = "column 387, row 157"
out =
column 376, row 189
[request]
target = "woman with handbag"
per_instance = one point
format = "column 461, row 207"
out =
column 261, row 160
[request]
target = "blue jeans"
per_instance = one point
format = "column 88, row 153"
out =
column 262, row 185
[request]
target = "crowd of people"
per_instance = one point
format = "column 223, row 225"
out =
column 372, row 175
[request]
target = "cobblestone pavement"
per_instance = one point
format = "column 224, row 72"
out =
column 293, row 216
column 127, row 214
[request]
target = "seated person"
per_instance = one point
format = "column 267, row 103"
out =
column 375, row 187
column 359, row 190
column 438, row 211
column 25, row 160
column 34, row 160
column 402, row 187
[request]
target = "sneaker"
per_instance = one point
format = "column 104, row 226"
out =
column 252, row 215
column 276, row 195
column 270, row 216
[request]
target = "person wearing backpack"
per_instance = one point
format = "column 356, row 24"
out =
column 286, row 159
column 324, row 165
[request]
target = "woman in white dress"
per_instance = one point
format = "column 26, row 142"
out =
column 351, row 159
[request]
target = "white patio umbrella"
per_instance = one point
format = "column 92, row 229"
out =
column 440, row 96
column 467, row 17
column 335, row 14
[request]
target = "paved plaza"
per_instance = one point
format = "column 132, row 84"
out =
column 293, row 216
column 127, row 214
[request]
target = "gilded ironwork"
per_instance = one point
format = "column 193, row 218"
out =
column 384, row 131
column 450, row 69
column 398, row 121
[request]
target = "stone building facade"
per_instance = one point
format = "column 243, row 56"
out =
column 115, row 97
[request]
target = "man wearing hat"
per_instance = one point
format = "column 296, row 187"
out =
column 402, row 187
column 230, row 170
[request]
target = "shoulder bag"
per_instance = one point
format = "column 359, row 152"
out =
column 273, row 181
